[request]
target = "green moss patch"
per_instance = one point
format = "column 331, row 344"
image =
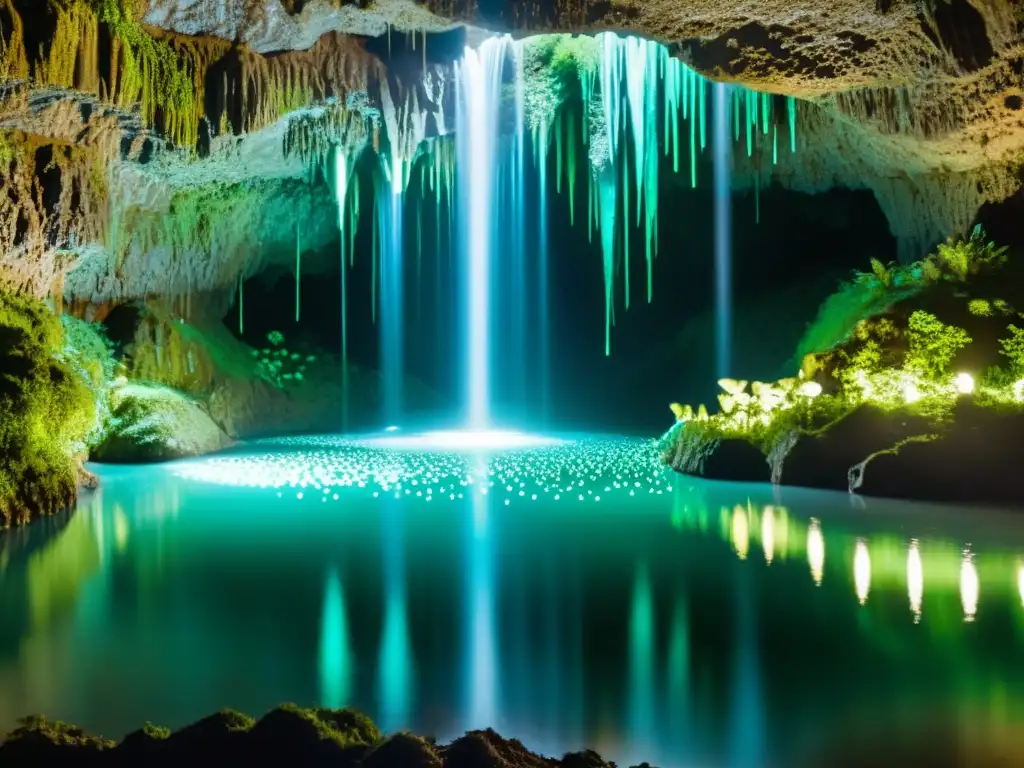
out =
column 53, row 382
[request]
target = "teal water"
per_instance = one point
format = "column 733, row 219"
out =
column 570, row 595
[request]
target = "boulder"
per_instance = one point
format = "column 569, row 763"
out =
column 153, row 423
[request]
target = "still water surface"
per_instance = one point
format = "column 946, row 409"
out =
column 571, row 595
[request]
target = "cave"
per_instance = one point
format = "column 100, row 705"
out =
column 511, row 384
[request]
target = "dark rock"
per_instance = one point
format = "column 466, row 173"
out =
column 300, row 735
column 41, row 742
column 484, row 749
column 977, row 459
column 403, row 750
column 824, row 460
column 737, row 460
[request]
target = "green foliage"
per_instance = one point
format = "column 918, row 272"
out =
column 980, row 307
column 871, row 294
column 277, row 365
column 48, row 409
column 932, row 344
column 1013, row 349
column 960, row 259
column 884, row 274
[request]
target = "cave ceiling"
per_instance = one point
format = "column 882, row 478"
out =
column 920, row 102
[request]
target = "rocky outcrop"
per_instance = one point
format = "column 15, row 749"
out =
column 313, row 737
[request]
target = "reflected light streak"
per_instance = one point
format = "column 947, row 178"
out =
column 969, row 586
column 641, row 667
column 816, row 551
column 335, row 653
column 740, row 532
column 768, row 533
column 1020, row 582
column 915, row 579
column 395, row 662
column 482, row 673
column 395, row 665
column 862, row 571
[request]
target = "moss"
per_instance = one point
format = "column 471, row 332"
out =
column 49, row 408
column 38, row 736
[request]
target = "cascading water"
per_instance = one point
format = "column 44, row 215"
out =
column 390, row 215
column 478, row 81
column 633, row 98
column 341, row 177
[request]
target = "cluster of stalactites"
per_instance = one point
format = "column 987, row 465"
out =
column 636, row 98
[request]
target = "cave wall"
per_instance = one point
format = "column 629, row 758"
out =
column 130, row 128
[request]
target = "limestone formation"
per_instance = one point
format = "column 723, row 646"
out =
column 121, row 119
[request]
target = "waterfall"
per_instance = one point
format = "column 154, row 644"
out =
column 478, row 82
column 390, row 209
column 341, row 176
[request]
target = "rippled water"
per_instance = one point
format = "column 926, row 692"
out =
column 569, row 593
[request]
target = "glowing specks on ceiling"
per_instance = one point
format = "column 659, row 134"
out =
column 438, row 466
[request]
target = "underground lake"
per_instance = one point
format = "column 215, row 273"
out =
column 504, row 384
column 570, row 592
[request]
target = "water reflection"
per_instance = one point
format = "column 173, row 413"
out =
column 395, row 659
column 915, row 579
column 862, row 571
column 816, row 551
column 1020, row 582
column 641, row 667
column 969, row 586
column 335, row 655
column 768, row 533
column 740, row 532
column 641, row 626
column 482, row 670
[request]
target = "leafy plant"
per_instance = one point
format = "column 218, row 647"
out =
column 963, row 258
column 1013, row 349
column 932, row 344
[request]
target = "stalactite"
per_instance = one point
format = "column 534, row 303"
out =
column 571, row 168
column 298, row 268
